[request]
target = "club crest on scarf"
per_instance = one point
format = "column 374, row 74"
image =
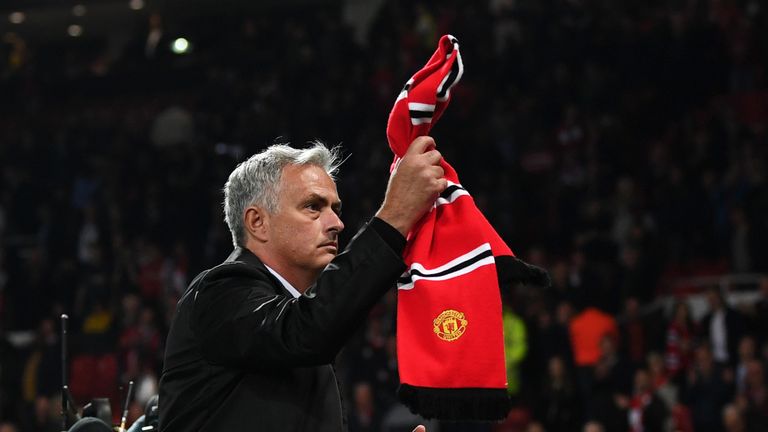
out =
column 450, row 325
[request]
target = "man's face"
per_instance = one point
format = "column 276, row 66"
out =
column 303, row 231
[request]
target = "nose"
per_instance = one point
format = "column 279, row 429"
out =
column 335, row 224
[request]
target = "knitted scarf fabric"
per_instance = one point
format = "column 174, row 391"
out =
column 450, row 341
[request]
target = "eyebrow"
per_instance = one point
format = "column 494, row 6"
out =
column 335, row 206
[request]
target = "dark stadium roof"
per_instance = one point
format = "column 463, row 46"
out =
column 49, row 19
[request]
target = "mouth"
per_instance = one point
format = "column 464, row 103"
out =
column 334, row 245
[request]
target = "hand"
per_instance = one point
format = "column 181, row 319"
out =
column 420, row 428
column 414, row 185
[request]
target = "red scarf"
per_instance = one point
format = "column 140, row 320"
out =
column 450, row 340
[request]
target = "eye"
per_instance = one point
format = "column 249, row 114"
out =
column 313, row 206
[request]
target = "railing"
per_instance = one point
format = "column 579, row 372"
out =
column 740, row 291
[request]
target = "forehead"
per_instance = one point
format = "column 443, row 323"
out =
column 299, row 181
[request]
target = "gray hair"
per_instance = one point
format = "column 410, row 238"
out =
column 256, row 180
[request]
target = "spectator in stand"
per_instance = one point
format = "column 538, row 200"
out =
column 723, row 328
column 593, row 426
column 561, row 288
column 753, row 399
column 150, row 271
column 733, row 420
column 140, row 344
column 43, row 418
column 669, row 392
column 515, row 346
column 42, row 374
column 747, row 353
column 557, row 406
column 364, row 416
column 645, row 409
column 535, row 427
column 761, row 312
column 741, row 241
column 612, row 382
column 587, row 329
column 660, row 381
column 635, row 336
column 679, row 341
column 551, row 337
column 8, row 427
column 707, row 392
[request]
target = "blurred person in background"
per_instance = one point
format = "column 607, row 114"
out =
column 557, row 406
column 679, row 341
column 593, row 426
column 515, row 345
column 747, row 353
column 635, row 334
column 549, row 338
column 42, row 374
column 733, row 420
column 707, row 391
column 612, row 381
column 646, row 411
column 8, row 427
column 364, row 416
column 660, row 382
column 723, row 328
column 535, row 427
column 44, row 415
column 752, row 399
column 760, row 314
column 587, row 330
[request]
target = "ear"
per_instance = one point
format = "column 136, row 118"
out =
column 256, row 222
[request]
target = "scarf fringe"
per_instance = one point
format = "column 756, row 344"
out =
column 456, row 404
column 512, row 270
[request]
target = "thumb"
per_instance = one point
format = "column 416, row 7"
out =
column 420, row 428
column 421, row 145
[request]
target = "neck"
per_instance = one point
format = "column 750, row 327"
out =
column 300, row 279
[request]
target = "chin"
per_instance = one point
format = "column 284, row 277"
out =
column 326, row 260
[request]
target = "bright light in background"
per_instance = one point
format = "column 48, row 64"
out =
column 79, row 10
column 180, row 46
column 136, row 4
column 74, row 30
column 17, row 17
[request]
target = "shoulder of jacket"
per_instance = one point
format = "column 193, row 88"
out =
column 234, row 269
column 228, row 270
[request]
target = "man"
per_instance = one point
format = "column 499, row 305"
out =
column 253, row 339
column 723, row 328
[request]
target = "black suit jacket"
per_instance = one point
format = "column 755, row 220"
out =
column 243, row 355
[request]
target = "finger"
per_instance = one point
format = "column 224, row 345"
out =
column 420, row 428
column 433, row 157
column 434, row 172
column 441, row 184
column 438, row 171
column 420, row 145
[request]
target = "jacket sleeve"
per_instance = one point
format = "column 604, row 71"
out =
column 240, row 321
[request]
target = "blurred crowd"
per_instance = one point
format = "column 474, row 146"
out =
column 620, row 145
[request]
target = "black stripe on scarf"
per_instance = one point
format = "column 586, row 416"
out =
column 449, row 82
column 449, row 190
column 457, row 267
column 421, row 114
